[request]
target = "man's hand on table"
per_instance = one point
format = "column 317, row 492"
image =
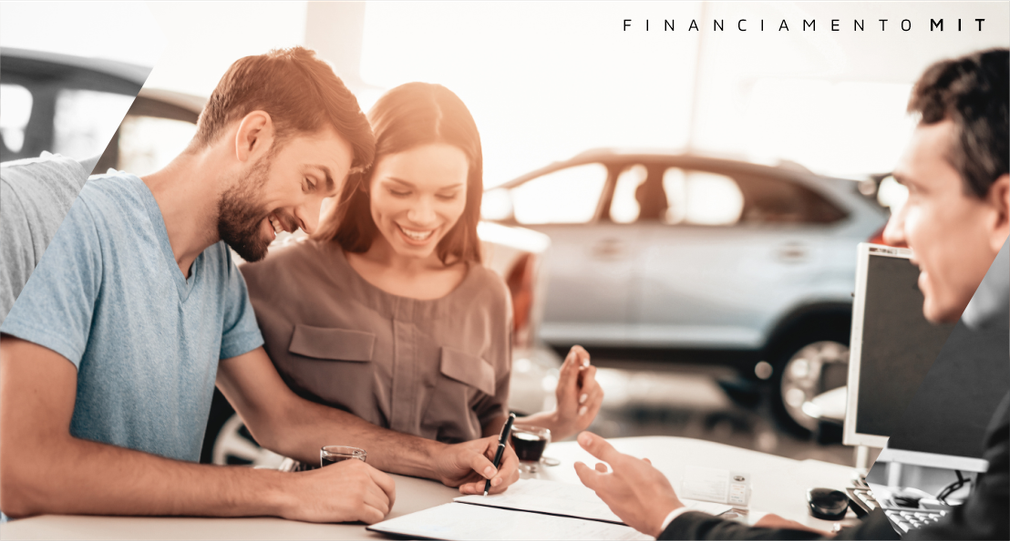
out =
column 347, row 491
column 469, row 464
column 634, row 490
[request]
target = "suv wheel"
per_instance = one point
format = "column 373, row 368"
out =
column 804, row 370
column 235, row 445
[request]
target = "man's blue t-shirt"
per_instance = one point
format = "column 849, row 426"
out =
column 109, row 296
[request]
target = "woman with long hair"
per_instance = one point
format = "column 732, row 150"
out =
column 386, row 311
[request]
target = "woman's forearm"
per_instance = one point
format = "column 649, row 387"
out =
column 548, row 420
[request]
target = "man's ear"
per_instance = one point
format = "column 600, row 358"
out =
column 999, row 198
column 255, row 136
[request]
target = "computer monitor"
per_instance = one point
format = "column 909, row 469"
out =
column 945, row 423
column 891, row 347
column 931, row 388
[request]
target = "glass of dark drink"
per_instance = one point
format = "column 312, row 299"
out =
column 529, row 443
column 331, row 454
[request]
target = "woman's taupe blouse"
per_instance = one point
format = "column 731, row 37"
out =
column 434, row 368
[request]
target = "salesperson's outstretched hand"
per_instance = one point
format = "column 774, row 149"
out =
column 634, row 490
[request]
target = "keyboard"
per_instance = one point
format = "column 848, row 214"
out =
column 864, row 500
column 902, row 519
column 910, row 519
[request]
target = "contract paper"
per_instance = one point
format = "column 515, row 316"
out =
column 716, row 485
column 453, row 521
column 552, row 497
column 564, row 499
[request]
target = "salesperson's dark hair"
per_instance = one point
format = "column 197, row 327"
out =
column 972, row 91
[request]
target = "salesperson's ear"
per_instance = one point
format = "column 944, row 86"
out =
column 999, row 199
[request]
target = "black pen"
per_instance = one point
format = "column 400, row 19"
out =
column 505, row 431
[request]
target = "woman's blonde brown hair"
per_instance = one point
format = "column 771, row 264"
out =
column 407, row 117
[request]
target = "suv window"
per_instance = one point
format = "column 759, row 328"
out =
column 772, row 200
column 84, row 119
column 566, row 196
column 705, row 198
column 701, row 198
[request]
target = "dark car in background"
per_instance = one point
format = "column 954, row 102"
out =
column 61, row 103
column 701, row 259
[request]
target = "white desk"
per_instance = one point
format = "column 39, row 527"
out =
column 778, row 485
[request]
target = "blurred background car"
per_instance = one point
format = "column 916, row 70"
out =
column 157, row 125
column 680, row 257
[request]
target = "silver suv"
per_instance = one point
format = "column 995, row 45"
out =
column 700, row 259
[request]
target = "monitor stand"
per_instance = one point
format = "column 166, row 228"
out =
column 863, row 459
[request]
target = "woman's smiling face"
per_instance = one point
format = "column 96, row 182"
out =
column 418, row 195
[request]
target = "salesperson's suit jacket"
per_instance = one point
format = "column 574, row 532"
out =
column 985, row 515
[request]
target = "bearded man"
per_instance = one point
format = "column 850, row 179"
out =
column 109, row 358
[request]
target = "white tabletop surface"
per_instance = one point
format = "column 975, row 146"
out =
column 779, row 485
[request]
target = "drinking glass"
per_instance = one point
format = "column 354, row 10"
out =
column 529, row 443
column 331, row 454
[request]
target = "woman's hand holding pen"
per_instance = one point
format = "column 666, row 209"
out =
column 468, row 465
column 578, row 393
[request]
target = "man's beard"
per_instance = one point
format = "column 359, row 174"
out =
column 239, row 216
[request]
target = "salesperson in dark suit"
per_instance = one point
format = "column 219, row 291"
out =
column 956, row 222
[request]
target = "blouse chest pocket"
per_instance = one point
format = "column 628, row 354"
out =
column 456, row 404
column 317, row 368
column 327, row 343
column 467, row 369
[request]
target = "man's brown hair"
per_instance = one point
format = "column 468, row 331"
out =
column 972, row 91
column 406, row 117
column 299, row 91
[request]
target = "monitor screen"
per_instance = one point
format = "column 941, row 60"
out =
column 892, row 344
column 952, row 408
column 898, row 344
